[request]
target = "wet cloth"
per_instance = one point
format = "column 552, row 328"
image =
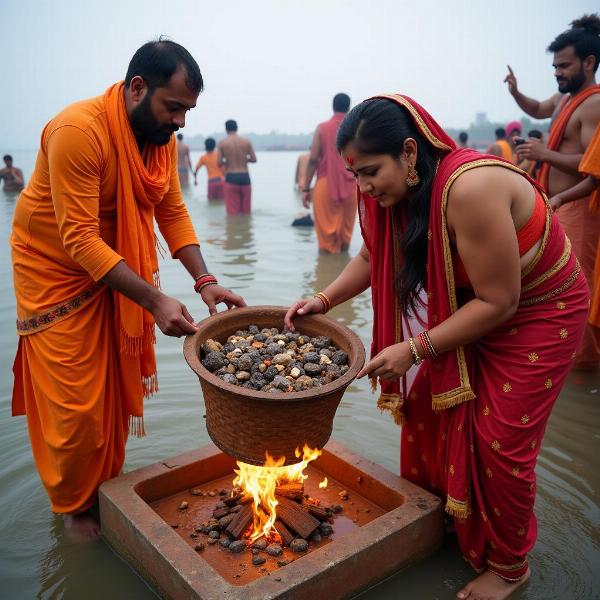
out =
column 581, row 222
column 334, row 194
column 90, row 203
column 334, row 221
column 472, row 426
column 590, row 165
column 238, row 194
column 215, row 189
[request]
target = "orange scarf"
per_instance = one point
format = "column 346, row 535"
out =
column 557, row 130
column 143, row 180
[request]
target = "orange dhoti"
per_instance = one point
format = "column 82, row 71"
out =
column 582, row 227
column 67, row 381
column 334, row 221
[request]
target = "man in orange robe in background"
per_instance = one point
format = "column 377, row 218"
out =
column 575, row 113
column 86, row 274
column 588, row 191
column 334, row 194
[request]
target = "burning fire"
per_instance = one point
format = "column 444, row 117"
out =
column 261, row 483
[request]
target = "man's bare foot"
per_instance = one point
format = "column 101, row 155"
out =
column 489, row 586
column 83, row 527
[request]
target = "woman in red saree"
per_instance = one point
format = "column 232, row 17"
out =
column 506, row 309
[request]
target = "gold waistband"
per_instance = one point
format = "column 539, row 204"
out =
column 59, row 312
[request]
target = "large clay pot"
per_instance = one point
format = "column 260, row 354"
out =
column 246, row 423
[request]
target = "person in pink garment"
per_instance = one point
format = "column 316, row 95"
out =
column 234, row 154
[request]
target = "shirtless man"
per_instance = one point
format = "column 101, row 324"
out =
column 234, row 154
column 12, row 176
column 575, row 113
column 184, row 162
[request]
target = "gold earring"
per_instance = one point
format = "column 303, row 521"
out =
column 412, row 179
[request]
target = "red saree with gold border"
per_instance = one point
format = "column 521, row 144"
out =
column 475, row 417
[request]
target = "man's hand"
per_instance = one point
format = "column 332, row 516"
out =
column 556, row 202
column 172, row 317
column 391, row 363
column 532, row 149
column 306, row 198
column 511, row 80
column 215, row 294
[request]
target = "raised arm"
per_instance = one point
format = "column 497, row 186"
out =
column 535, row 108
column 354, row 279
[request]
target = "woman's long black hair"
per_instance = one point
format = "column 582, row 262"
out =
column 380, row 126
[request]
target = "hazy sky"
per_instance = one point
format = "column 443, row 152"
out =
column 276, row 64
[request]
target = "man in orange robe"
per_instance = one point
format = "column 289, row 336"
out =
column 588, row 191
column 334, row 194
column 575, row 111
column 86, row 274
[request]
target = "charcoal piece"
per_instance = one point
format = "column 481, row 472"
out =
column 258, row 560
column 260, row 544
column 299, row 545
column 271, row 373
column 214, row 535
column 311, row 357
column 224, row 542
column 274, row 550
column 237, row 546
column 321, row 342
column 214, row 361
column 312, row 370
column 220, row 512
column 326, row 529
column 340, row 358
column 225, row 521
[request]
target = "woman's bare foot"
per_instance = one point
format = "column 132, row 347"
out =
column 83, row 527
column 489, row 586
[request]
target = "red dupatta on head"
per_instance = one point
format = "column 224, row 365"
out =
column 382, row 229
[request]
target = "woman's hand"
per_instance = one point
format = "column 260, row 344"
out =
column 215, row 294
column 303, row 307
column 391, row 363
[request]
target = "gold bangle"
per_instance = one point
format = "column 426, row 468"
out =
column 417, row 360
column 324, row 298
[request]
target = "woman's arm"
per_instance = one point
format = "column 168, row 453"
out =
column 354, row 279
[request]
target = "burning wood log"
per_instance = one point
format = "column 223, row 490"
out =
column 286, row 535
column 296, row 518
column 292, row 490
column 240, row 522
column 320, row 512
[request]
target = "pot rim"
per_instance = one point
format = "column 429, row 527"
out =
column 193, row 358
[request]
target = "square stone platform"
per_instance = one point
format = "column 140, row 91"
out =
column 388, row 524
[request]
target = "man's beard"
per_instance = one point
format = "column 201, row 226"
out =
column 573, row 85
column 145, row 125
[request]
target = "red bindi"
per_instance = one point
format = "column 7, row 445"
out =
column 350, row 160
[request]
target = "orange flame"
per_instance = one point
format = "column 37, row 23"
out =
column 261, row 482
column 323, row 483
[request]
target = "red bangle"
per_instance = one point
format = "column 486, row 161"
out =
column 428, row 347
column 205, row 284
column 204, row 279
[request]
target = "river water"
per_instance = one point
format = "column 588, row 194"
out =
column 269, row 262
